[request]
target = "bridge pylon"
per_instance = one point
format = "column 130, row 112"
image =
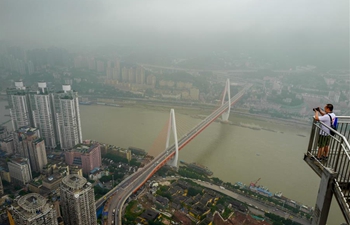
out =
column 226, row 114
column 172, row 128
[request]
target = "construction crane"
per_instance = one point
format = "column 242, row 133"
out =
column 254, row 184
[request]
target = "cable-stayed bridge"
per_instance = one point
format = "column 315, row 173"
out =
column 114, row 199
column 334, row 171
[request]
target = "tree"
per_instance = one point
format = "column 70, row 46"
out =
column 134, row 162
column 150, row 222
column 193, row 191
column 106, row 178
column 216, row 180
column 100, row 191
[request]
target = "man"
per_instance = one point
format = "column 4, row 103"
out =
column 324, row 138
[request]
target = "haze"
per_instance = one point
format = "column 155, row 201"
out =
column 312, row 31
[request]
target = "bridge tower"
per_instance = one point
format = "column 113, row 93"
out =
column 226, row 114
column 172, row 128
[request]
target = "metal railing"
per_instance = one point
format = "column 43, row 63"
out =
column 338, row 158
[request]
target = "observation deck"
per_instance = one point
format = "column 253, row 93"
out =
column 334, row 171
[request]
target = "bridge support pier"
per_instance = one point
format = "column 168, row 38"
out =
column 226, row 114
column 324, row 197
column 172, row 127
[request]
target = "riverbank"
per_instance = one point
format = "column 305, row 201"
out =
column 233, row 153
column 205, row 110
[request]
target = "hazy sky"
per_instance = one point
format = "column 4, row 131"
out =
column 259, row 25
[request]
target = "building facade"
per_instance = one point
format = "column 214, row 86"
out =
column 77, row 201
column 29, row 144
column 18, row 105
column 87, row 157
column 68, row 118
column 7, row 145
column 20, row 171
column 33, row 209
column 56, row 115
column 41, row 103
column 1, row 187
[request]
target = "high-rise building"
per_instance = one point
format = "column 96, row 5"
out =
column 109, row 72
column 117, row 64
column 116, row 74
column 100, row 66
column 38, row 57
column 18, row 104
column 7, row 144
column 22, row 135
column 125, row 74
column 116, row 70
column 151, row 80
column 56, row 115
column 91, row 63
column 78, row 61
column 41, row 104
column 194, row 93
column 77, row 201
column 68, row 117
column 20, row 67
column 131, row 75
column 33, row 209
column 85, row 156
column 30, row 67
column 109, row 64
column 6, row 140
column 20, row 171
column 17, row 52
column 140, row 75
column 1, row 187
column 29, row 144
column 3, row 132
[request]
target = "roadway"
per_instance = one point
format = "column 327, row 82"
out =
column 253, row 203
column 118, row 195
column 256, row 206
column 195, row 70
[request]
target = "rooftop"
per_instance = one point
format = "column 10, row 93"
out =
column 53, row 178
column 27, row 130
column 32, row 206
column 83, row 148
column 22, row 161
column 32, row 202
column 74, row 181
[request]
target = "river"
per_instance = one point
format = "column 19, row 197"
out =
column 233, row 153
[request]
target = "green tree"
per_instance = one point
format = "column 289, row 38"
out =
column 106, row 178
column 150, row 222
column 193, row 191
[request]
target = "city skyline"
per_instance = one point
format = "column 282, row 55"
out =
column 127, row 64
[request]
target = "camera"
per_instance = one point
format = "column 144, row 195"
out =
column 316, row 109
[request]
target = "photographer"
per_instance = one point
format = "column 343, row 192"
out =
column 327, row 117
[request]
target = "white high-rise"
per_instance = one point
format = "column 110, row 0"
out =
column 56, row 115
column 19, row 107
column 68, row 117
column 43, row 116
